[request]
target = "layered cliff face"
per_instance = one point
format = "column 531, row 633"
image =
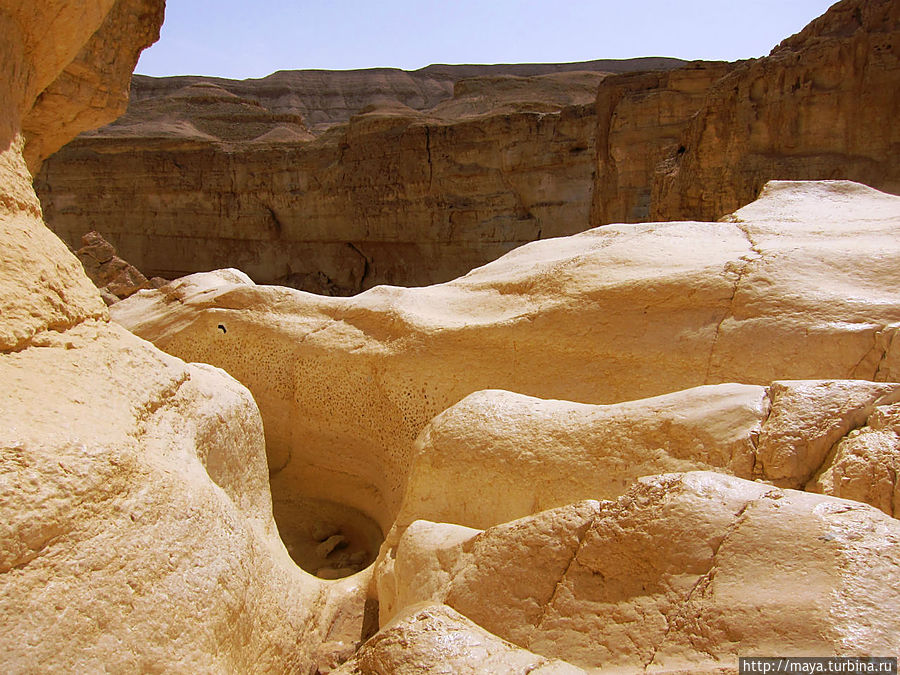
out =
column 394, row 196
column 336, row 182
column 823, row 104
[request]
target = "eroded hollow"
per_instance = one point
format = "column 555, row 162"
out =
column 326, row 538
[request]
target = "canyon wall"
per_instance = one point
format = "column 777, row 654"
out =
column 337, row 182
column 393, row 196
column 823, row 104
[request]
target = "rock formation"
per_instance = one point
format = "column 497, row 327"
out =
column 350, row 390
column 456, row 474
column 823, row 104
column 661, row 578
column 395, row 195
column 115, row 277
column 616, row 313
column 415, row 178
column 136, row 530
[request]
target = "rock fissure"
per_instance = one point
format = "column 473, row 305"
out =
column 581, row 537
column 703, row 580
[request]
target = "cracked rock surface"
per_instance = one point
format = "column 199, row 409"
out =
column 681, row 572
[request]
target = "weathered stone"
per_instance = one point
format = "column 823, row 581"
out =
column 641, row 118
column 685, row 572
column 613, row 314
column 432, row 638
column 136, row 529
column 564, row 451
column 822, row 105
column 115, row 277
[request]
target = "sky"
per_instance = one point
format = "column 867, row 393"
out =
column 253, row 38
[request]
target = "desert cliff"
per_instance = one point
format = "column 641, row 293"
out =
column 651, row 446
column 337, row 182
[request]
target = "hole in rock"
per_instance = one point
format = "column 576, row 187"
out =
column 325, row 538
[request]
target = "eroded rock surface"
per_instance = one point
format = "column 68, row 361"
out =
column 136, row 529
column 138, row 522
column 394, row 195
column 682, row 573
column 791, row 287
column 823, row 104
column 784, row 434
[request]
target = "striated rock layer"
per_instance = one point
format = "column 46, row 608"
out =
column 823, row 104
column 424, row 175
column 204, row 178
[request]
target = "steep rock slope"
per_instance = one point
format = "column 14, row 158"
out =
column 205, row 177
column 822, row 105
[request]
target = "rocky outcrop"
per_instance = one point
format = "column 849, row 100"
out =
column 614, row 314
column 136, row 529
column 425, row 175
column 796, row 434
column 430, row 638
column 323, row 98
column 677, row 575
column 93, row 87
column 822, row 105
column 138, row 519
column 641, row 118
column 115, row 277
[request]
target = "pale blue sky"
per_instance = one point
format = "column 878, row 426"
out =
column 246, row 38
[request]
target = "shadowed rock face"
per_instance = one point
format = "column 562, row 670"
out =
column 421, row 176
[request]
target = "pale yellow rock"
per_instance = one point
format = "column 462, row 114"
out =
column 683, row 572
column 430, row 638
column 136, row 528
column 798, row 286
column 807, row 420
column 865, row 465
column 496, row 456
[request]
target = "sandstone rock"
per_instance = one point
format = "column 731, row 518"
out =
column 421, row 187
column 683, row 573
column 496, row 456
column 92, row 88
column 434, row 638
column 641, row 118
column 821, row 105
column 136, row 529
column 864, row 465
column 393, row 196
column 618, row 313
column 115, row 278
column 502, row 155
